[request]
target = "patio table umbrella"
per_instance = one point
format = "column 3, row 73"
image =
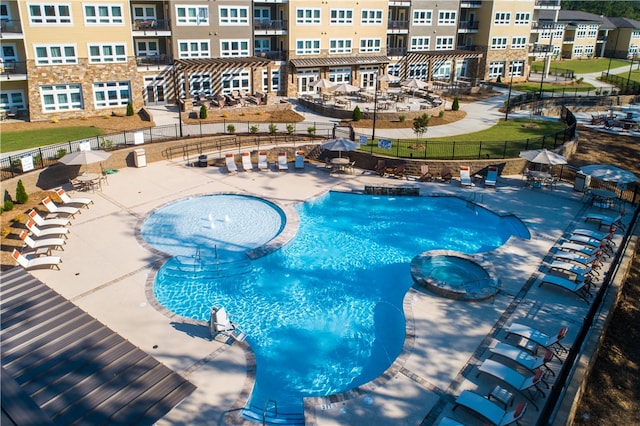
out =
column 340, row 144
column 413, row 84
column 323, row 83
column 543, row 156
column 389, row 78
column 82, row 158
column 609, row 173
column 344, row 88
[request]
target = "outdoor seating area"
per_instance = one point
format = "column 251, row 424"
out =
column 224, row 100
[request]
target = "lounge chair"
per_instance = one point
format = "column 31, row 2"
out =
column 299, row 164
column 400, row 170
column 578, row 248
column 221, row 322
column 522, row 357
column 578, row 270
column 579, row 287
column 282, row 161
column 492, row 176
column 231, row 163
column 513, row 378
column 425, row 175
column 446, row 175
column 584, row 240
column 597, row 235
column 381, row 167
column 465, row 176
column 592, row 261
column 603, row 219
column 35, row 262
column 539, row 338
column 262, row 161
column 51, row 206
column 31, row 226
column 40, row 221
column 489, row 410
column 247, row 165
column 48, row 243
column 68, row 200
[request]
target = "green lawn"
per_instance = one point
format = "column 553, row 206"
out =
column 585, row 66
column 506, row 138
column 635, row 74
column 14, row 141
column 548, row 87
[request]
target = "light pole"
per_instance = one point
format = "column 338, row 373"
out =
column 506, row 110
column 177, row 95
column 375, row 107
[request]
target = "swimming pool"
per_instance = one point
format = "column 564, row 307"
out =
column 324, row 313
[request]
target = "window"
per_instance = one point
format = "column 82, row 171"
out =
column 340, row 75
column 502, row 18
column 235, row 80
column 49, row 54
column 234, row 15
column 198, row 83
column 193, row 49
column 581, row 32
column 100, row 53
column 444, row 43
column 192, row 15
column 262, row 14
column 103, row 14
column 8, row 52
column 12, row 98
column 577, row 50
column 49, row 13
column 4, row 12
column 261, row 45
column 588, row 50
column 447, row 17
column 275, row 80
column 635, row 34
column 516, row 68
column 147, row 47
column 61, row 97
column 340, row 46
column 419, row 70
column 113, row 93
column 422, row 17
column 144, row 12
column 441, row 69
column 519, row 43
column 522, row 18
column 307, row 47
column 234, row 48
column 496, row 69
column 371, row 17
column 498, row 43
column 370, row 45
column 307, row 16
column 633, row 51
column 420, row 43
column 341, row 17
column 593, row 31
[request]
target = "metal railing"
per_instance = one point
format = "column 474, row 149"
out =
column 267, row 25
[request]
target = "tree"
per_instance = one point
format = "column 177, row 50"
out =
column 421, row 125
column 203, row 112
column 357, row 114
column 129, row 109
column 455, row 106
column 21, row 194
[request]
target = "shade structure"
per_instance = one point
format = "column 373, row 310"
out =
column 543, row 156
column 609, row 173
column 323, row 83
column 344, row 88
column 82, row 158
column 414, row 83
column 340, row 144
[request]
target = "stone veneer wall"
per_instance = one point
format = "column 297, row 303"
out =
column 85, row 74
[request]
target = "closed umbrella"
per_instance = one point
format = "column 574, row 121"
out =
column 543, row 156
column 609, row 173
column 340, row 144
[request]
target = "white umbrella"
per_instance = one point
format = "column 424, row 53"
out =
column 414, row 83
column 543, row 156
column 340, row 144
column 82, row 158
column 609, row 173
column 323, row 83
column 388, row 77
column 344, row 87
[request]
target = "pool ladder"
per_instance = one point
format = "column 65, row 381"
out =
column 267, row 408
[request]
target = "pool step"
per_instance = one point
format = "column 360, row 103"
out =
column 187, row 266
column 270, row 419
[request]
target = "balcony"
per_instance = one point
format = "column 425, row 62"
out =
column 150, row 26
column 547, row 4
column 470, row 4
column 468, row 26
column 10, row 27
column 400, row 3
column 273, row 55
column 540, row 49
column 398, row 26
column 13, row 70
column 262, row 26
column 152, row 61
column 396, row 51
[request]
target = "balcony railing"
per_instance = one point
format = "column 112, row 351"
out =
column 396, row 51
column 535, row 25
column 540, row 48
column 398, row 25
column 547, row 3
column 10, row 68
column 10, row 26
column 263, row 25
column 154, row 60
column 468, row 25
column 273, row 55
column 471, row 3
column 151, row 25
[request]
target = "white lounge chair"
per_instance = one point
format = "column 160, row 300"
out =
column 578, row 270
column 35, row 262
column 492, row 176
column 220, row 322
column 584, row 240
column 603, row 219
column 247, row 165
column 540, row 338
column 68, row 200
column 592, row 234
column 50, row 243
column 44, row 222
column 580, row 287
column 262, row 161
column 299, row 164
column 465, row 176
column 31, row 226
column 522, row 357
column 51, row 206
column 513, row 378
column 231, row 163
column 282, row 161
column 489, row 410
column 592, row 261
column 578, row 248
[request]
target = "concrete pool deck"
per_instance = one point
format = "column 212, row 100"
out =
column 106, row 269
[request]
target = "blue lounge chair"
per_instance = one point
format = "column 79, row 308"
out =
column 580, row 287
column 489, row 410
column 514, row 379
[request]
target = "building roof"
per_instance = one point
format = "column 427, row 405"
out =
column 621, row 22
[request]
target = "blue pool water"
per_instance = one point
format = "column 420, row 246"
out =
column 324, row 313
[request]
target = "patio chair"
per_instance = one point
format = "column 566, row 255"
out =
column 247, row 165
column 425, row 175
column 465, row 176
column 53, row 208
column 48, row 243
column 603, row 219
column 40, row 221
column 231, row 163
column 68, row 200
column 592, row 261
column 262, row 161
column 492, row 176
column 221, row 322
column 381, row 167
column 37, row 261
column 31, row 226
column 282, row 161
column 514, row 378
column 445, row 174
column 578, row 248
column 579, row 287
column 522, row 357
column 13, row 112
column 489, row 410
column 400, row 170
column 579, row 271
column 597, row 235
column 539, row 338
column 584, row 240
column 299, row 163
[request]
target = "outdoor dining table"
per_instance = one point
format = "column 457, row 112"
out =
column 89, row 180
column 538, row 178
column 602, row 198
column 339, row 164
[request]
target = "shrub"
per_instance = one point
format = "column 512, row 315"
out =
column 106, row 143
column 231, row 128
column 273, row 128
column 55, row 119
column 129, row 109
column 203, row 112
column 254, row 129
column 21, row 193
column 61, row 153
column 311, row 130
column 357, row 114
column 290, row 128
column 8, row 205
column 455, row 106
column 441, row 113
column 401, row 117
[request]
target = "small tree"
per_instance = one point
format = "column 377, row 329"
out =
column 8, row 205
column 311, row 130
column 455, row 106
column 231, row 128
column 129, row 109
column 421, row 125
column 254, row 129
column 21, row 194
column 273, row 128
column 357, row 114
column 290, row 128
column 203, row 112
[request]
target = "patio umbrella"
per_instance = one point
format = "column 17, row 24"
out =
column 340, row 144
column 543, row 156
column 389, row 78
column 82, row 158
column 344, row 88
column 323, row 83
column 413, row 84
column 609, row 173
